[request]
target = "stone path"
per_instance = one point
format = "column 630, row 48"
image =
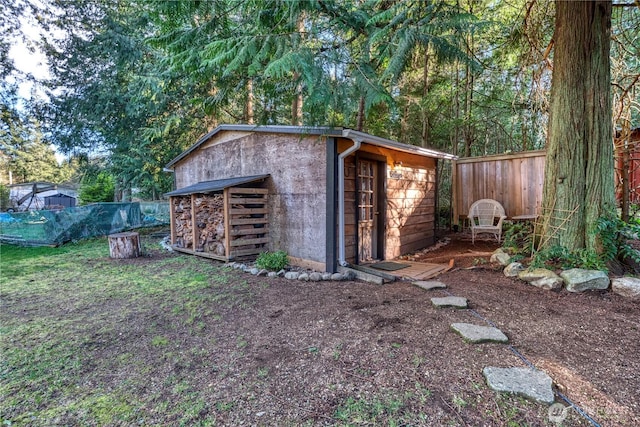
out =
column 477, row 334
column 428, row 285
column 455, row 302
column 527, row 382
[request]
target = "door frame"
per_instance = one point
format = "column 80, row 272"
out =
column 380, row 165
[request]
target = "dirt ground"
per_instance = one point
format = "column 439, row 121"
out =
column 315, row 346
column 291, row 353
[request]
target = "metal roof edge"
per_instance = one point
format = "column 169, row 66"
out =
column 400, row 146
column 216, row 185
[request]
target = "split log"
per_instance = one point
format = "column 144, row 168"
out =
column 124, row 245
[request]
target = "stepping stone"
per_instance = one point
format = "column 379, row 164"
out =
column 477, row 334
column 428, row 285
column 530, row 383
column 455, row 302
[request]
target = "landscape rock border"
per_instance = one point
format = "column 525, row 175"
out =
column 573, row 280
column 300, row 275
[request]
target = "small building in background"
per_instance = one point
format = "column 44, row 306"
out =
column 59, row 200
column 41, row 195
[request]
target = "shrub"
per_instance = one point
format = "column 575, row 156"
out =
column 274, row 261
column 613, row 235
column 97, row 189
column 562, row 257
column 4, row 198
column 518, row 238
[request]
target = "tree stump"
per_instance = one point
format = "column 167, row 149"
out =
column 124, row 245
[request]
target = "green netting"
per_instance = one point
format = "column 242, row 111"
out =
column 155, row 212
column 48, row 227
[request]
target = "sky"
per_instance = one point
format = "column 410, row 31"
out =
column 27, row 58
column 30, row 60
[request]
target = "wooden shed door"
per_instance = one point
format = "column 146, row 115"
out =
column 368, row 210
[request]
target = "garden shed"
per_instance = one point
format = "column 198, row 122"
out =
column 326, row 196
column 60, row 200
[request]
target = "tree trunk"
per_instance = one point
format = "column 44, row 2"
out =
column 124, row 245
column 360, row 119
column 250, row 96
column 425, row 91
column 296, row 105
column 579, row 186
column 469, row 131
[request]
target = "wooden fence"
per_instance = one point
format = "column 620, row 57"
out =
column 514, row 180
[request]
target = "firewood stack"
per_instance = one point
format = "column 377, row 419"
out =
column 243, row 232
column 209, row 211
column 183, row 228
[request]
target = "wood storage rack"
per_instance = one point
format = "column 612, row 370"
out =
column 224, row 225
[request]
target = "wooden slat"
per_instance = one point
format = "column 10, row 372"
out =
column 514, row 180
column 237, row 190
column 244, row 252
column 194, row 226
column 244, row 242
column 248, row 200
column 247, row 221
column 227, row 221
column 172, row 220
column 420, row 270
column 255, row 230
column 200, row 254
column 248, row 211
column 500, row 157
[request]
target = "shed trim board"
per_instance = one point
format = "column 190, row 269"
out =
column 216, row 185
column 331, row 258
column 305, row 183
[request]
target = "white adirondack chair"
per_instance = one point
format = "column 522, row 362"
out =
column 486, row 216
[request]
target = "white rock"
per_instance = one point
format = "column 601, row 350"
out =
column 315, row 277
column 291, row 275
column 513, row 269
column 530, row 383
column 500, row 257
column 541, row 278
column 455, row 302
column 579, row 280
column 628, row 287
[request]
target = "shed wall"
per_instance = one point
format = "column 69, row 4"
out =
column 297, row 187
column 409, row 205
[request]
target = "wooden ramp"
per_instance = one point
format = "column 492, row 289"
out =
column 421, row 270
column 412, row 271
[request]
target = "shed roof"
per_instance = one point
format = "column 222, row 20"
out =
column 216, row 185
column 320, row 131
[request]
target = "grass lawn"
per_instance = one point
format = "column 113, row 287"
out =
column 83, row 338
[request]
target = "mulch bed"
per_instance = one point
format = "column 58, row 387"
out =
column 320, row 344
